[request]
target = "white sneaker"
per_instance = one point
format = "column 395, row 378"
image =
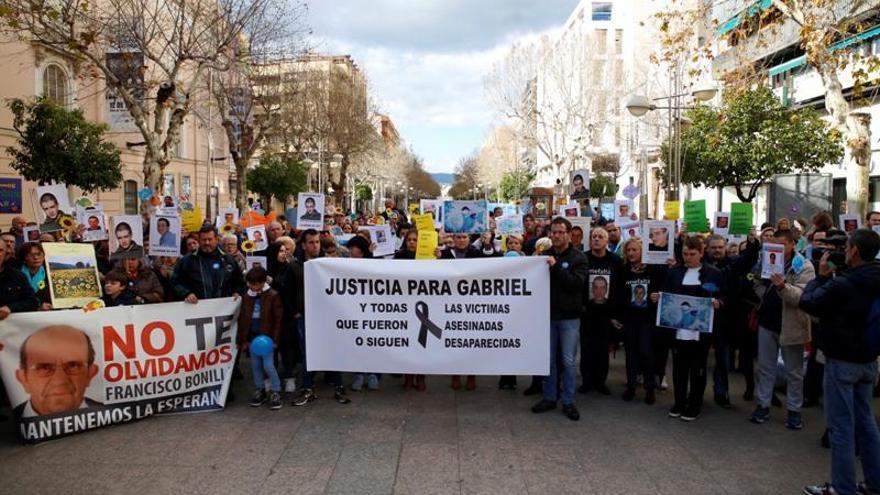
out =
column 290, row 385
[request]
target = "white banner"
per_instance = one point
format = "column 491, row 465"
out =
column 71, row 371
column 470, row 316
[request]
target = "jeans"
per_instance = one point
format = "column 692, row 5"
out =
column 640, row 353
column 564, row 336
column 689, row 368
column 308, row 377
column 263, row 366
column 793, row 357
column 848, row 389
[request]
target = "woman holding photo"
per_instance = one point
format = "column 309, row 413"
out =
column 636, row 314
column 691, row 349
column 33, row 266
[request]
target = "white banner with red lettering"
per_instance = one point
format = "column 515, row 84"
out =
column 468, row 316
column 71, row 371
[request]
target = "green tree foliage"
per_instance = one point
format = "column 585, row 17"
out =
column 278, row 177
column 751, row 138
column 514, row 184
column 57, row 144
column 603, row 186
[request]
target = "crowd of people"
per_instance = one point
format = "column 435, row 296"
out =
column 805, row 328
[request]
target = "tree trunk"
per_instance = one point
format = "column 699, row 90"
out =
column 241, row 168
column 152, row 178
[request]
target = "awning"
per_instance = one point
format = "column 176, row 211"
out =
column 754, row 9
column 799, row 61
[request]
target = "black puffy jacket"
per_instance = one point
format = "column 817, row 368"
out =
column 567, row 283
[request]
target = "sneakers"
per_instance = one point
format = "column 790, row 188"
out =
column 306, row 396
column 274, row 401
column 825, row 489
column 690, row 414
column 570, row 412
column 339, row 395
column 760, row 416
column 629, row 394
column 259, row 398
column 676, row 411
column 357, row 383
column 544, row 406
column 650, row 397
column 793, row 421
column 372, row 382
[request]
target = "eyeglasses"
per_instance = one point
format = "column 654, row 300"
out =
column 48, row 369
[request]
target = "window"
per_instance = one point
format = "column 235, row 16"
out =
column 601, row 11
column 168, row 186
column 130, row 197
column 601, row 41
column 185, row 186
column 618, row 41
column 55, row 83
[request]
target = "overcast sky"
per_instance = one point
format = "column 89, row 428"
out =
column 425, row 60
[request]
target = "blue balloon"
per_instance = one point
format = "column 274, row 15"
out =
column 261, row 346
column 511, row 254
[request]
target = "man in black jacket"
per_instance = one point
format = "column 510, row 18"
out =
column 209, row 273
column 16, row 294
column 568, row 270
column 842, row 302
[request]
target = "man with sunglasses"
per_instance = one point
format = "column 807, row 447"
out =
column 56, row 365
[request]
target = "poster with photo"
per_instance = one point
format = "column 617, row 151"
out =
column 254, row 261
column 876, row 228
column 385, row 242
column 93, row 220
column 579, row 184
column 607, row 210
column 657, row 241
column 721, row 223
column 571, row 210
column 164, row 235
column 32, row 233
column 630, row 229
column 126, row 237
column 580, row 240
column 850, row 223
column 54, row 208
column 509, row 224
column 227, row 217
column 435, row 208
column 772, row 260
column 310, row 210
column 465, row 217
column 638, row 295
column 258, row 235
column 599, row 287
column 679, row 312
column 623, row 210
column 73, row 274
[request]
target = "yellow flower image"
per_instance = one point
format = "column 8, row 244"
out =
column 248, row 246
column 66, row 223
column 227, row 228
column 93, row 305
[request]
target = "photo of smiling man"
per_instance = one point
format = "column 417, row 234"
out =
column 57, row 364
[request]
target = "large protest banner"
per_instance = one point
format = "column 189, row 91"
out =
column 470, row 316
column 71, row 371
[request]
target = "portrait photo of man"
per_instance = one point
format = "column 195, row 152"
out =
column 722, row 222
column 56, row 366
column 50, row 207
column 311, row 212
column 127, row 247
column 579, row 186
column 659, row 239
column 167, row 238
column 639, row 296
column 598, row 289
column 94, row 224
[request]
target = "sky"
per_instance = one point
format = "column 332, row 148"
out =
column 425, row 60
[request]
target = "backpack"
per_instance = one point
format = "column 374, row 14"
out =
column 872, row 327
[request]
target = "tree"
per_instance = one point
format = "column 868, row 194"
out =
column 603, row 186
column 56, row 144
column 466, row 173
column 151, row 54
column 751, row 138
column 824, row 29
column 248, row 95
column 278, row 177
column 514, row 184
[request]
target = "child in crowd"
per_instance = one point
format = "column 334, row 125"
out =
column 116, row 291
column 261, row 314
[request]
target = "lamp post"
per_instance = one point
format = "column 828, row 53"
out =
column 639, row 105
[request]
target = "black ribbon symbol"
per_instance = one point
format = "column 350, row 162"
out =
column 427, row 324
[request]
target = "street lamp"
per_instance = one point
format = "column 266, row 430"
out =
column 639, row 105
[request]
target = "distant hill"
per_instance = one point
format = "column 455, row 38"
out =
column 444, row 178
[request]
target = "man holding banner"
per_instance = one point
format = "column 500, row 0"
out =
column 568, row 270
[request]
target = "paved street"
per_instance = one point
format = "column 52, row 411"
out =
column 440, row 441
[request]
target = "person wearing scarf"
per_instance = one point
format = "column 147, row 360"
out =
column 33, row 266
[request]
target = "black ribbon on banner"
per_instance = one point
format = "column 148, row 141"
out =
column 427, row 324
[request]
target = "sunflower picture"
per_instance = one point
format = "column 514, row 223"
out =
column 227, row 228
column 66, row 222
column 248, row 246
